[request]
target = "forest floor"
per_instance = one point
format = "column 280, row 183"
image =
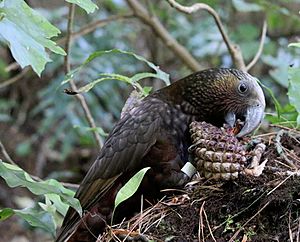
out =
column 264, row 208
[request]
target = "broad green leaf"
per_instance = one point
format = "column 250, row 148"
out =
column 48, row 205
column 16, row 177
column 288, row 116
column 40, row 219
column 87, row 5
column 107, row 76
column 243, row 6
column 59, row 205
column 28, row 34
column 130, row 187
column 293, row 91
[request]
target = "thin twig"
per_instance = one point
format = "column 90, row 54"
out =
column 67, row 65
column 264, row 135
column 164, row 35
column 201, row 224
column 12, row 66
column 15, row 78
column 6, row 155
column 233, row 49
column 285, row 128
column 279, row 184
column 208, row 225
column 260, row 48
column 280, row 150
column 67, row 68
column 94, row 25
column 289, row 226
column 298, row 231
column 242, row 227
column 292, row 155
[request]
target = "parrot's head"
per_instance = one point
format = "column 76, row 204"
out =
column 227, row 94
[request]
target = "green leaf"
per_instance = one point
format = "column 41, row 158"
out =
column 87, row 5
column 294, row 45
column 243, row 6
column 276, row 103
column 288, row 116
column 28, row 34
column 293, row 91
column 59, row 205
column 6, row 213
column 130, row 187
column 16, row 177
column 140, row 76
column 40, row 219
column 107, row 76
column 97, row 129
column 147, row 90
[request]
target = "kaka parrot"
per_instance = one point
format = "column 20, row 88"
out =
column 155, row 133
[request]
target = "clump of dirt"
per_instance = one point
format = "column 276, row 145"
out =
column 264, row 208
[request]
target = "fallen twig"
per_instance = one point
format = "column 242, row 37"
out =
column 281, row 151
column 242, row 227
column 208, row 225
column 201, row 224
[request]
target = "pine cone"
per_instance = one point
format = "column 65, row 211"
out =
column 218, row 153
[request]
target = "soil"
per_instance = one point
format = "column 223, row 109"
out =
column 264, row 208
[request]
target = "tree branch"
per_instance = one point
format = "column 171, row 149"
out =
column 67, row 68
column 94, row 25
column 15, row 78
column 164, row 35
column 260, row 48
column 234, row 50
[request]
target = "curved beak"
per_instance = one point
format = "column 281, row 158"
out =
column 253, row 117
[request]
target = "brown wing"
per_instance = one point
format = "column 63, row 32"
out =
column 123, row 151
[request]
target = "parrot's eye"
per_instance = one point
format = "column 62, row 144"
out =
column 242, row 88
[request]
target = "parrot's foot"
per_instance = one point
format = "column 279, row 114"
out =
column 256, row 169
